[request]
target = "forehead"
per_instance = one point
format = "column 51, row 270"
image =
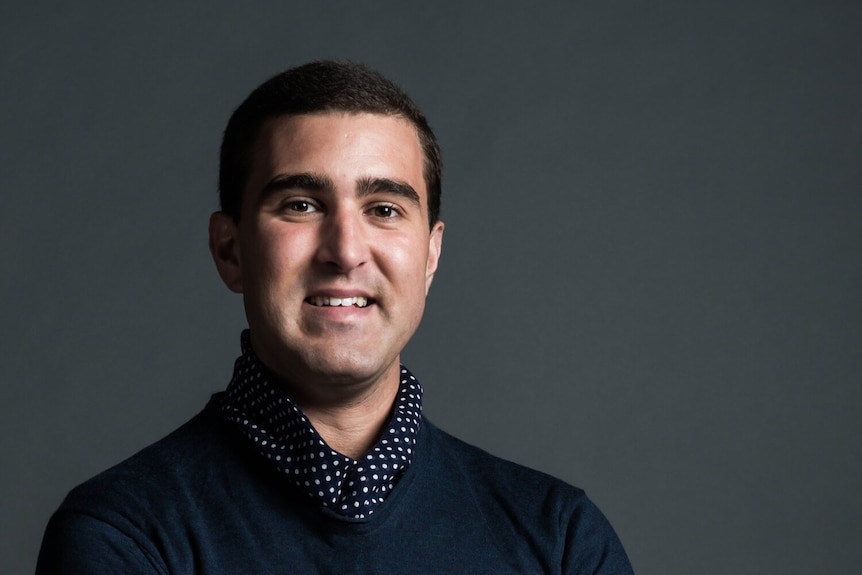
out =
column 343, row 146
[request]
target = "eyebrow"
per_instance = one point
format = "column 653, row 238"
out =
column 368, row 186
column 303, row 181
column 321, row 183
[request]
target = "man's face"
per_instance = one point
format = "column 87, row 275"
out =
column 333, row 252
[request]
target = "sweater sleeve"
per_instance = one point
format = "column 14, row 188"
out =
column 78, row 544
column 592, row 546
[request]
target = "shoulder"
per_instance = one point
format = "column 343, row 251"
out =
column 554, row 519
column 138, row 515
column 167, row 467
column 107, row 523
column 499, row 475
column 163, row 481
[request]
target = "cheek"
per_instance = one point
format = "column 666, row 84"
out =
column 407, row 268
column 267, row 258
column 406, row 254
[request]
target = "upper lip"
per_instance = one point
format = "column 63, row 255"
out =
column 340, row 293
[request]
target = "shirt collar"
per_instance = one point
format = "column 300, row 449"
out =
column 286, row 438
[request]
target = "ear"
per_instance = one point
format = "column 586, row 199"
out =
column 224, row 247
column 435, row 246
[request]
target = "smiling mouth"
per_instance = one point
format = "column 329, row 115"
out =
column 322, row 301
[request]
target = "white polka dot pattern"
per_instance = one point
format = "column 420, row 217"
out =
column 286, row 438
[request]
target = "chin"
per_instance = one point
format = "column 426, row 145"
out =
column 350, row 369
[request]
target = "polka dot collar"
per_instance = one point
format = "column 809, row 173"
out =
column 286, row 438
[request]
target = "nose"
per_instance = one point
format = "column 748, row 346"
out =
column 343, row 243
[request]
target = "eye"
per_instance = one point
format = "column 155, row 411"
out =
column 384, row 211
column 300, row 206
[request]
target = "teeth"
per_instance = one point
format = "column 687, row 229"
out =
column 358, row 301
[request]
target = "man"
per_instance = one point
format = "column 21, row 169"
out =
column 317, row 459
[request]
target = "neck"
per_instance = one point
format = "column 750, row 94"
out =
column 353, row 425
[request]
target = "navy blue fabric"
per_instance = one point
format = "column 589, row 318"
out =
column 288, row 441
column 204, row 501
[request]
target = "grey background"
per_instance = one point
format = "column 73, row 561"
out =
column 651, row 276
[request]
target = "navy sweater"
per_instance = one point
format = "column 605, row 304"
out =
column 203, row 501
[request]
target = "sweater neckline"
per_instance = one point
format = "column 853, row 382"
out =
column 285, row 438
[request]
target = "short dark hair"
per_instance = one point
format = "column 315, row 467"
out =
column 319, row 87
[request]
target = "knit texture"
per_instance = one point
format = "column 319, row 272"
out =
column 204, row 501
